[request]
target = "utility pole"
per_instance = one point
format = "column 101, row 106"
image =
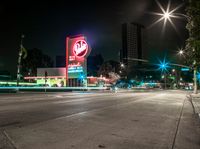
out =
column 19, row 60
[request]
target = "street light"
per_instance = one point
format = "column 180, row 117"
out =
column 122, row 65
column 180, row 52
column 167, row 15
column 163, row 67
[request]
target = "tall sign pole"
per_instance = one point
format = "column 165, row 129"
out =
column 77, row 51
column 19, row 60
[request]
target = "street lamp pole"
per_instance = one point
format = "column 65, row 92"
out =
column 166, row 16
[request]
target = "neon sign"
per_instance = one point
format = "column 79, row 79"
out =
column 77, row 50
column 80, row 48
column 74, row 64
column 72, row 58
column 75, row 69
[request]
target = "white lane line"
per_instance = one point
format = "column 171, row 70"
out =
column 98, row 98
column 48, row 98
column 138, row 99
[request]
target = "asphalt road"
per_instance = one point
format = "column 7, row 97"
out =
column 92, row 120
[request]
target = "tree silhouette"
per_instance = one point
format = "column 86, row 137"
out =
column 35, row 59
column 193, row 42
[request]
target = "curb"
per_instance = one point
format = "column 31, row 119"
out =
column 195, row 105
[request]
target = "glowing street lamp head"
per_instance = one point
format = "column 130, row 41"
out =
column 122, row 65
column 166, row 15
column 181, row 52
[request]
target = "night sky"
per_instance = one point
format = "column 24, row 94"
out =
column 46, row 25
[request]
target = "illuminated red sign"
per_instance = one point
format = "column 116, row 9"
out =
column 80, row 48
column 77, row 51
column 74, row 64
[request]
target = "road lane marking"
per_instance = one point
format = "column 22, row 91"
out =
column 82, row 113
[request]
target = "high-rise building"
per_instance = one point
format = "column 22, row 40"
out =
column 132, row 44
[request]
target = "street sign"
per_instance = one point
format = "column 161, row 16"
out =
column 185, row 69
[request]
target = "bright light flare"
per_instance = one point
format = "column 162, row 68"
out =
column 181, row 52
column 163, row 65
column 166, row 15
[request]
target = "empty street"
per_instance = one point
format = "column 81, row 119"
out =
column 92, row 120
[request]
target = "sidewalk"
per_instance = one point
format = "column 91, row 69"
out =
column 196, row 103
column 188, row 131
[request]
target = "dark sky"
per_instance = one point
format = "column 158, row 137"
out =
column 46, row 25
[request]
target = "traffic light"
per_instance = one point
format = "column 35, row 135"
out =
column 163, row 65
